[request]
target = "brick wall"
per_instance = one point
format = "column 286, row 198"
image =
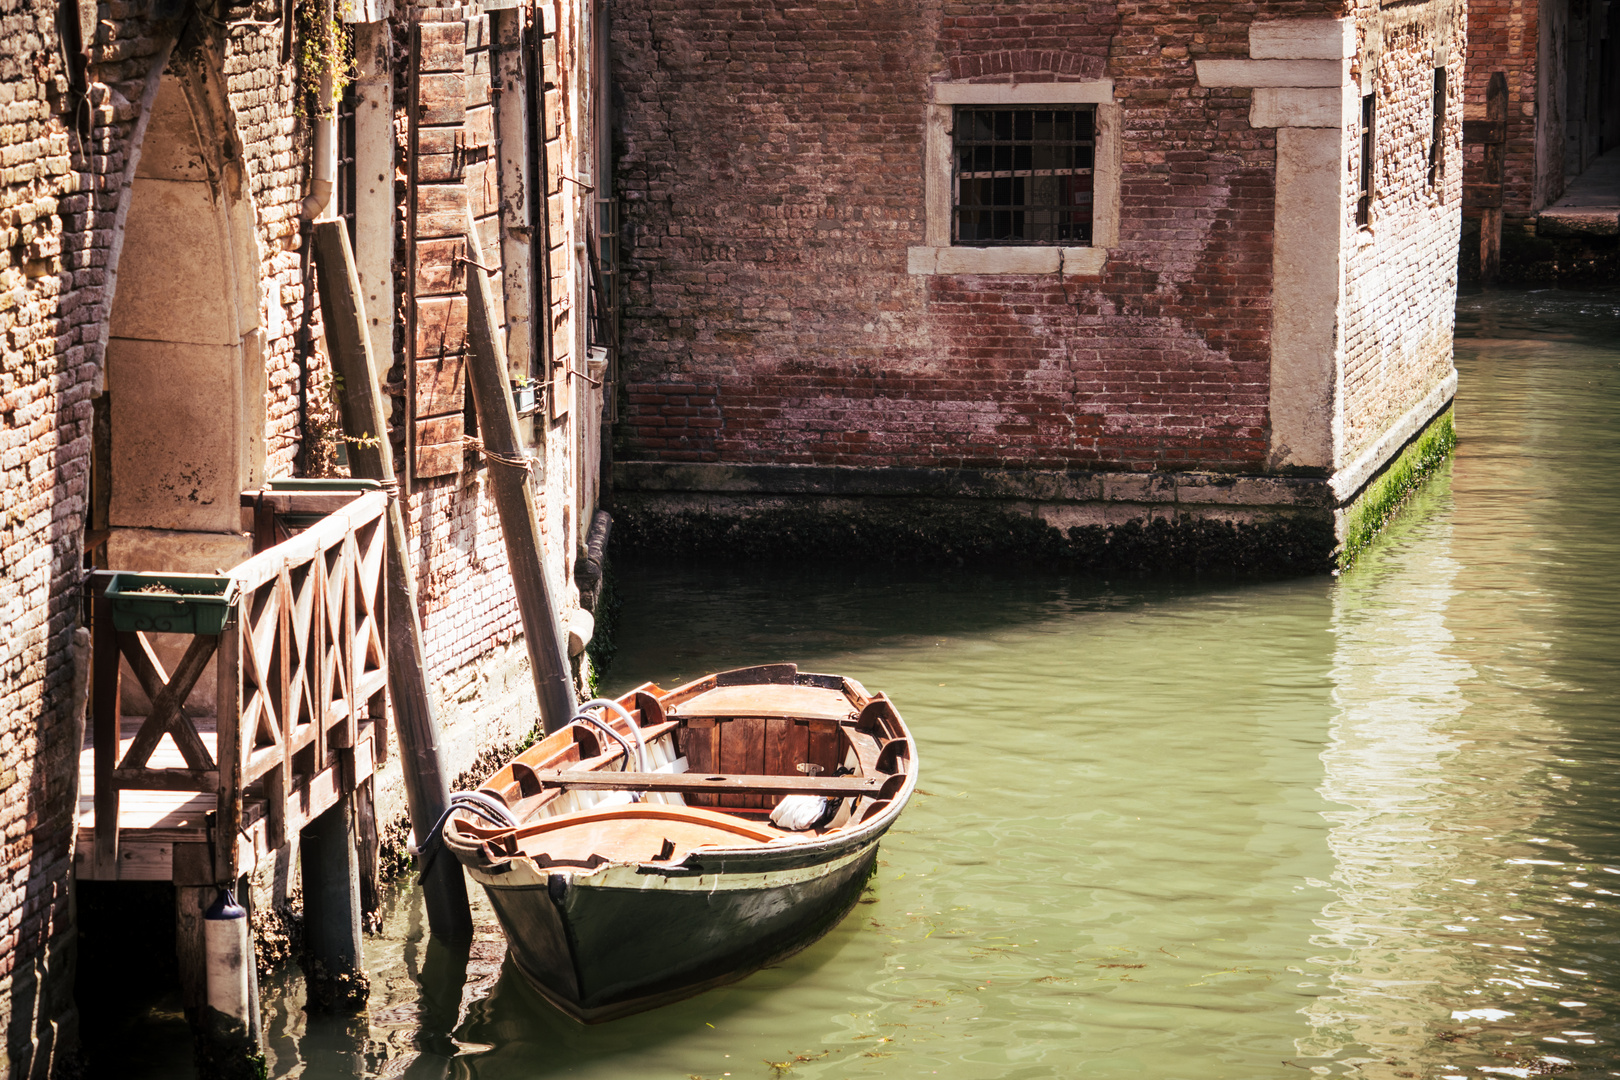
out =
column 1398, row 316
column 63, row 160
column 1504, row 35
column 772, row 170
column 458, row 554
column 58, row 196
column 262, row 98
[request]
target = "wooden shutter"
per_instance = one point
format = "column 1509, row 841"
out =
column 437, row 341
column 549, row 120
column 451, row 139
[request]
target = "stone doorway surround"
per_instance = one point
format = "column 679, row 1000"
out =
column 184, row 352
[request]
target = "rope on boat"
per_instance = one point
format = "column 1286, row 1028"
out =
column 583, row 716
column 583, row 713
column 474, row 802
column 494, row 811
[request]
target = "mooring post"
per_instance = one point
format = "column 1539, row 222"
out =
column 219, row 983
column 328, row 854
column 427, row 789
column 510, row 481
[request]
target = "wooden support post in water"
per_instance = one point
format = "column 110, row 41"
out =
column 1490, row 218
column 510, row 481
column 334, row 972
column 427, row 790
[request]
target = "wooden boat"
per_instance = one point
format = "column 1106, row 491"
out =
column 611, row 906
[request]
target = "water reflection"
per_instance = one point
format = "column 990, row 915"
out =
column 1398, row 687
column 1171, row 829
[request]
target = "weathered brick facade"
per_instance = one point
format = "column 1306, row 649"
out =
column 200, row 105
column 1504, row 35
column 1400, row 297
column 1563, row 98
column 790, row 302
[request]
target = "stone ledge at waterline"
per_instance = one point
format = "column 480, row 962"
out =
column 1096, row 520
column 1114, row 521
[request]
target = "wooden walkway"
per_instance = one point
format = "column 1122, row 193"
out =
column 300, row 679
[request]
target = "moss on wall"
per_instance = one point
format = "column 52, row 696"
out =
column 1381, row 499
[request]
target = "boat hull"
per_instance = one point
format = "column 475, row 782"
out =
column 600, row 946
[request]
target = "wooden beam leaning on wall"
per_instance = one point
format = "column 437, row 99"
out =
column 510, row 481
column 1486, row 194
column 427, row 790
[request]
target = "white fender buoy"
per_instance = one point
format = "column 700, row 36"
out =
column 581, row 626
column 225, row 940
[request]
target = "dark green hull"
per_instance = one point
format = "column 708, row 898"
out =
column 601, row 950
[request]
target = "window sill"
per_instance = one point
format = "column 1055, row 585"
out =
column 1074, row 261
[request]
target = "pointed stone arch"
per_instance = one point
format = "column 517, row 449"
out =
column 183, row 361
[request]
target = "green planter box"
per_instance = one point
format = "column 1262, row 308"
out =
column 172, row 603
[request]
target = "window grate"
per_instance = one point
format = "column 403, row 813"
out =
column 345, row 193
column 1023, row 176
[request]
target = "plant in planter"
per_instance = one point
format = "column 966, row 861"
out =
column 524, row 393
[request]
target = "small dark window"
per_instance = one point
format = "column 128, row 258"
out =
column 1437, row 141
column 1023, row 176
column 1369, row 144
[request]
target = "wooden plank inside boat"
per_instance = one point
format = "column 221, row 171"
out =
column 728, row 784
column 806, row 702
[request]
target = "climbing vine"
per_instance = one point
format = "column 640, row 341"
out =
column 325, row 47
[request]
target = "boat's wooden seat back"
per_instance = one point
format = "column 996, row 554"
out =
column 758, row 745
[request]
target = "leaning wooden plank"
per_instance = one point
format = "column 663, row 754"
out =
column 712, row 783
column 511, row 483
column 427, row 791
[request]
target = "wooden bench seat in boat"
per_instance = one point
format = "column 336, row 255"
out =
column 639, row 832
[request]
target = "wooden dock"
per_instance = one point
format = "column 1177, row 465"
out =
column 203, row 792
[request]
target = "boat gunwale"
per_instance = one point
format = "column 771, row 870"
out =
column 826, row 845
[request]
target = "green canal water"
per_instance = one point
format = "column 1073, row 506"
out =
column 1169, row 829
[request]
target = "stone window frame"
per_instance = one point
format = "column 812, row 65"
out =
column 940, row 256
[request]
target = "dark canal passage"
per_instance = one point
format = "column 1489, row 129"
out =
column 1192, row 829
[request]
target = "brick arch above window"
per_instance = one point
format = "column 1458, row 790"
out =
column 1008, row 65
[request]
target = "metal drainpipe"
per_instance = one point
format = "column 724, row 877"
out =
column 322, row 174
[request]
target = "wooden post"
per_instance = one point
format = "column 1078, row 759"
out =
column 427, row 790
column 105, row 709
column 334, row 971
column 1490, row 218
column 509, row 479
column 229, row 743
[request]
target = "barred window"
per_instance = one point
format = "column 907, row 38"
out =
column 1023, row 176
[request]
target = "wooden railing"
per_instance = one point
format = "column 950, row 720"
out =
column 300, row 682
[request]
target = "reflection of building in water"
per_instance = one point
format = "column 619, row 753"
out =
column 1397, row 685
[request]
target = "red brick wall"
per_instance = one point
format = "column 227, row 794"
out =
column 58, row 195
column 771, row 166
column 1503, row 35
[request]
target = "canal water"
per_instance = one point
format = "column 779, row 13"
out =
column 1171, row 828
